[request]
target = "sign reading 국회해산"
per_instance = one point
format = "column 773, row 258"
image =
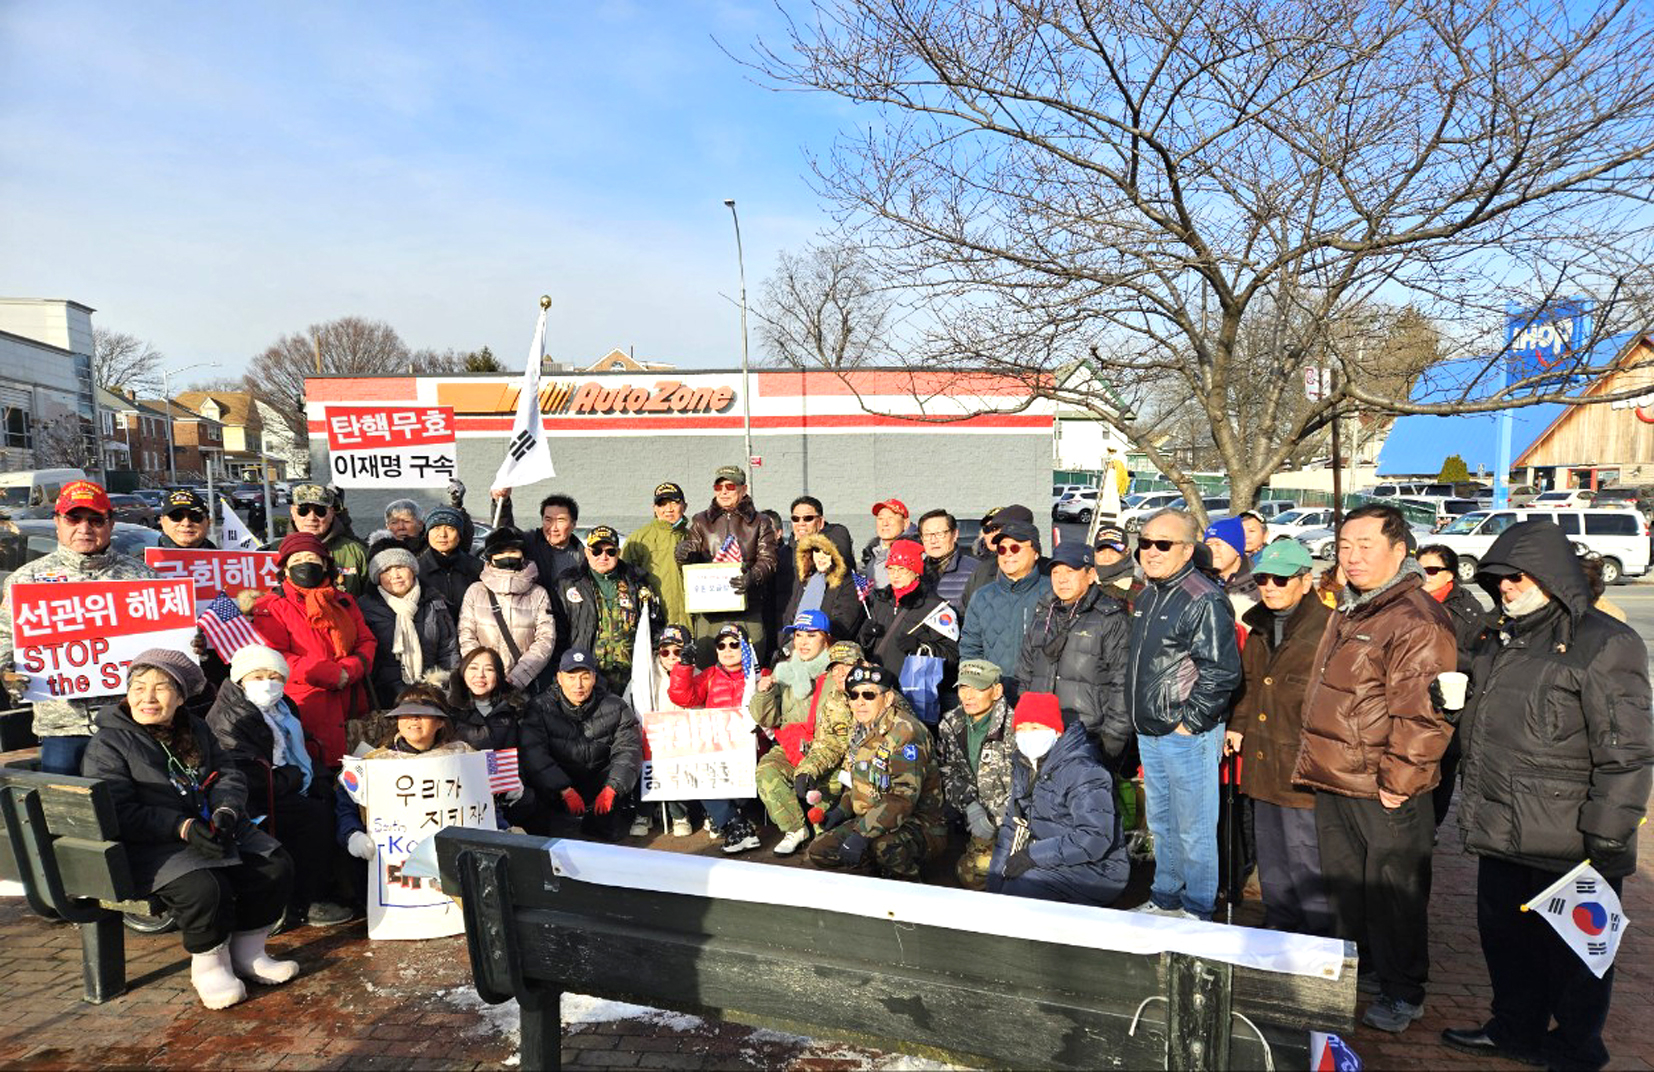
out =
column 75, row 639
column 211, row 572
column 698, row 755
column 391, row 446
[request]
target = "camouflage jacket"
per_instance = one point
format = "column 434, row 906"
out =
column 67, row 718
column 893, row 778
column 832, row 736
column 991, row 782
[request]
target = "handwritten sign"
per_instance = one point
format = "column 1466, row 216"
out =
column 706, row 588
column 391, row 446
column 698, row 755
column 408, row 801
column 212, row 571
column 75, row 639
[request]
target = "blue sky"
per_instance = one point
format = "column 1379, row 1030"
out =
column 211, row 176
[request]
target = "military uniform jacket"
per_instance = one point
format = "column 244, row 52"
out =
column 893, row 778
column 831, row 740
column 990, row 784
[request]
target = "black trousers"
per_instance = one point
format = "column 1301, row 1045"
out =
column 1442, row 795
column 1375, row 863
column 304, row 826
column 215, row 902
column 1289, row 870
column 1535, row 975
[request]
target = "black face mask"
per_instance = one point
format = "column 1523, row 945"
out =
column 307, row 574
column 509, row 563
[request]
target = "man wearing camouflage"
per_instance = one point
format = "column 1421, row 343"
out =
column 85, row 522
column 976, row 747
column 892, row 808
column 785, row 703
column 830, row 743
column 315, row 509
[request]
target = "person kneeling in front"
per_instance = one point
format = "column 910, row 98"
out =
column 891, row 807
column 182, row 808
column 583, row 746
column 1061, row 838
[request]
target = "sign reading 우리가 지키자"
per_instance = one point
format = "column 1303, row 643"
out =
column 75, row 639
column 390, row 446
column 211, row 572
column 698, row 755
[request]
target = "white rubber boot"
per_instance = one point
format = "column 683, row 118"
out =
column 248, row 955
column 214, row 980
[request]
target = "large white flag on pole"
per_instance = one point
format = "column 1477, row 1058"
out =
column 643, row 666
column 234, row 536
column 1585, row 912
column 528, row 454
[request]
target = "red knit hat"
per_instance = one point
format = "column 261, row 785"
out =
column 294, row 542
column 907, row 553
column 1038, row 709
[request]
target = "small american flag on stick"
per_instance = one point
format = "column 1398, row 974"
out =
column 226, row 628
column 864, row 585
column 502, row 771
column 728, row 551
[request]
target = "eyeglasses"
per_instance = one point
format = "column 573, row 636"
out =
column 673, row 651
column 801, row 518
column 196, row 516
column 606, row 551
column 729, row 645
column 86, row 517
column 865, row 694
column 311, row 510
column 1159, row 545
column 1010, row 547
column 1278, row 580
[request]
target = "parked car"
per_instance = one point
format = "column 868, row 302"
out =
column 1059, row 492
column 153, row 496
column 38, row 536
column 134, row 510
column 1216, row 506
column 1619, row 535
column 1139, row 505
column 1076, row 506
column 1572, row 497
column 1323, row 543
column 1289, row 525
column 1640, row 499
column 1270, row 509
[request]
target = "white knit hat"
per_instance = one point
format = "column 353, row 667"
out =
column 256, row 657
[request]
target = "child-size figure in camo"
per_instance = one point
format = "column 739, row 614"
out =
column 976, row 746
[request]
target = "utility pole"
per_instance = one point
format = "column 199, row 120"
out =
column 746, row 380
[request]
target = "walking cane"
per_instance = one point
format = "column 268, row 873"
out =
column 1232, row 841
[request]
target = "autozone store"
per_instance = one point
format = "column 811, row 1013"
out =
column 968, row 443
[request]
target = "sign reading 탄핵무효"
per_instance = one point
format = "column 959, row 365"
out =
column 75, row 639
column 391, row 446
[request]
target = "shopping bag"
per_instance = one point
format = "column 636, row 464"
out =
column 921, row 681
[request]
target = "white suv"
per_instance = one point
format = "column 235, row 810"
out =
column 1619, row 536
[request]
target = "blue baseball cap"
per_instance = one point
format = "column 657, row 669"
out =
column 577, row 659
column 812, row 621
column 1074, row 554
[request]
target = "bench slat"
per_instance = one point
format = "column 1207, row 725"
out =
column 94, row 869
column 74, row 807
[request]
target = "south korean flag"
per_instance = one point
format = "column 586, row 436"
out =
column 1585, row 911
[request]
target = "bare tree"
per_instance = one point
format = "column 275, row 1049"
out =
column 1219, row 196
column 349, row 346
column 824, row 308
column 66, row 442
column 125, row 361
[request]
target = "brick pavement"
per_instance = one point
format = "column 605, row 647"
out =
column 408, row 1005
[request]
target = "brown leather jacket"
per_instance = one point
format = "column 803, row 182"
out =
column 752, row 531
column 1269, row 714
column 1368, row 720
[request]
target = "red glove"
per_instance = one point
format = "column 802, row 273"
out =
column 816, row 814
column 605, row 800
column 572, row 801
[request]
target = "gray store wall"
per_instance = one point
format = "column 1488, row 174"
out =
column 613, row 479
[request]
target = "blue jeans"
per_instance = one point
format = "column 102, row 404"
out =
column 62, row 755
column 1180, row 785
column 721, row 812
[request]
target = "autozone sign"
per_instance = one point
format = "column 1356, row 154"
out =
column 594, row 398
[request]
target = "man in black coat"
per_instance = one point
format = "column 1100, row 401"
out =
column 447, row 566
column 582, row 747
column 1558, row 748
column 1076, row 648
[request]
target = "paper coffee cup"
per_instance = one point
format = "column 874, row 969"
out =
column 1453, row 685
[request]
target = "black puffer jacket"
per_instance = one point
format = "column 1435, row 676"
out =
column 240, row 729
column 438, row 640
column 1558, row 734
column 1185, row 661
column 1469, row 619
column 1078, row 651
column 502, row 727
column 895, row 629
column 449, row 575
column 587, row 747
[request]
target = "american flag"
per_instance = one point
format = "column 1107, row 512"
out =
column 749, row 660
column 864, row 585
column 728, row 551
column 226, row 628
column 502, row 771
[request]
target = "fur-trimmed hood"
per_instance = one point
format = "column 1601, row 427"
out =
column 817, row 542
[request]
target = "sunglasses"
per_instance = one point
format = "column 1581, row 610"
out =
column 674, row 650
column 1010, row 547
column 801, row 518
column 663, row 502
column 1159, row 545
column 1277, row 580
column 311, row 510
column 865, row 694
column 729, row 645
column 606, row 551
column 196, row 516
column 87, row 517
column 724, row 485
column 1433, row 570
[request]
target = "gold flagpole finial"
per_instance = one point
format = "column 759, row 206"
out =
column 545, row 301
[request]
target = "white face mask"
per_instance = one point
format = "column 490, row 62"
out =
column 1035, row 741
column 264, row 694
column 1527, row 602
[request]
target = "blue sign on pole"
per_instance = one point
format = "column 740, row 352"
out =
column 1537, row 340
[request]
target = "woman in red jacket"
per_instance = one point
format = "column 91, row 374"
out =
column 723, row 684
column 327, row 645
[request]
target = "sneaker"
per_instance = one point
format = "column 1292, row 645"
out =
column 789, row 844
column 1149, row 908
column 1392, row 1014
column 682, row 828
column 327, row 914
column 739, row 836
column 640, row 826
column 706, row 824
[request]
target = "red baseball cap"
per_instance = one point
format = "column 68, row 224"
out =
column 83, row 495
column 892, row 504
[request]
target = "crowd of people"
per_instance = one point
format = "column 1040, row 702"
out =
column 910, row 699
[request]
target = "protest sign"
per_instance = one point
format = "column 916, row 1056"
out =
column 213, row 571
column 407, row 801
column 706, row 588
column 698, row 755
column 75, row 639
column 391, row 446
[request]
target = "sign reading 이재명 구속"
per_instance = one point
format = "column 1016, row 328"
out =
column 75, row 639
column 391, row 446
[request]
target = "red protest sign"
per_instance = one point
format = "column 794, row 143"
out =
column 391, row 446
column 212, row 571
column 75, row 639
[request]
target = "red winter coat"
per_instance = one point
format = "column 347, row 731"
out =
column 712, row 687
column 313, row 674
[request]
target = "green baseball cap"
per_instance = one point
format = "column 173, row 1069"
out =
column 1283, row 558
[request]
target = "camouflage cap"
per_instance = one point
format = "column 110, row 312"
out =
column 845, row 651
column 312, row 495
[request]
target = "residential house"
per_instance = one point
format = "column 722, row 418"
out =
column 244, row 431
column 197, row 443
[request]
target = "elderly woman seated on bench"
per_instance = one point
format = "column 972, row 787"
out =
column 182, row 808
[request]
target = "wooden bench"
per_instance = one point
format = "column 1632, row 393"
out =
column 60, row 840
column 983, row 999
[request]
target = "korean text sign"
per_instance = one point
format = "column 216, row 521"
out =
column 391, row 446
column 698, row 755
column 408, row 801
column 75, row 639
column 212, row 571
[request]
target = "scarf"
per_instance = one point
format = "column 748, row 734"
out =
column 815, row 590
column 901, row 593
column 800, row 676
column 405, row 645
column 289, row 740
column 1440, row 595
column 327, row 616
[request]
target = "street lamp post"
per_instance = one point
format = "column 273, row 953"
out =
column 166, row 391
column 746, row 379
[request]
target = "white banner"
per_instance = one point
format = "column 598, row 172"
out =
column 409, row 800
column 706, row 588
column 699, row 755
